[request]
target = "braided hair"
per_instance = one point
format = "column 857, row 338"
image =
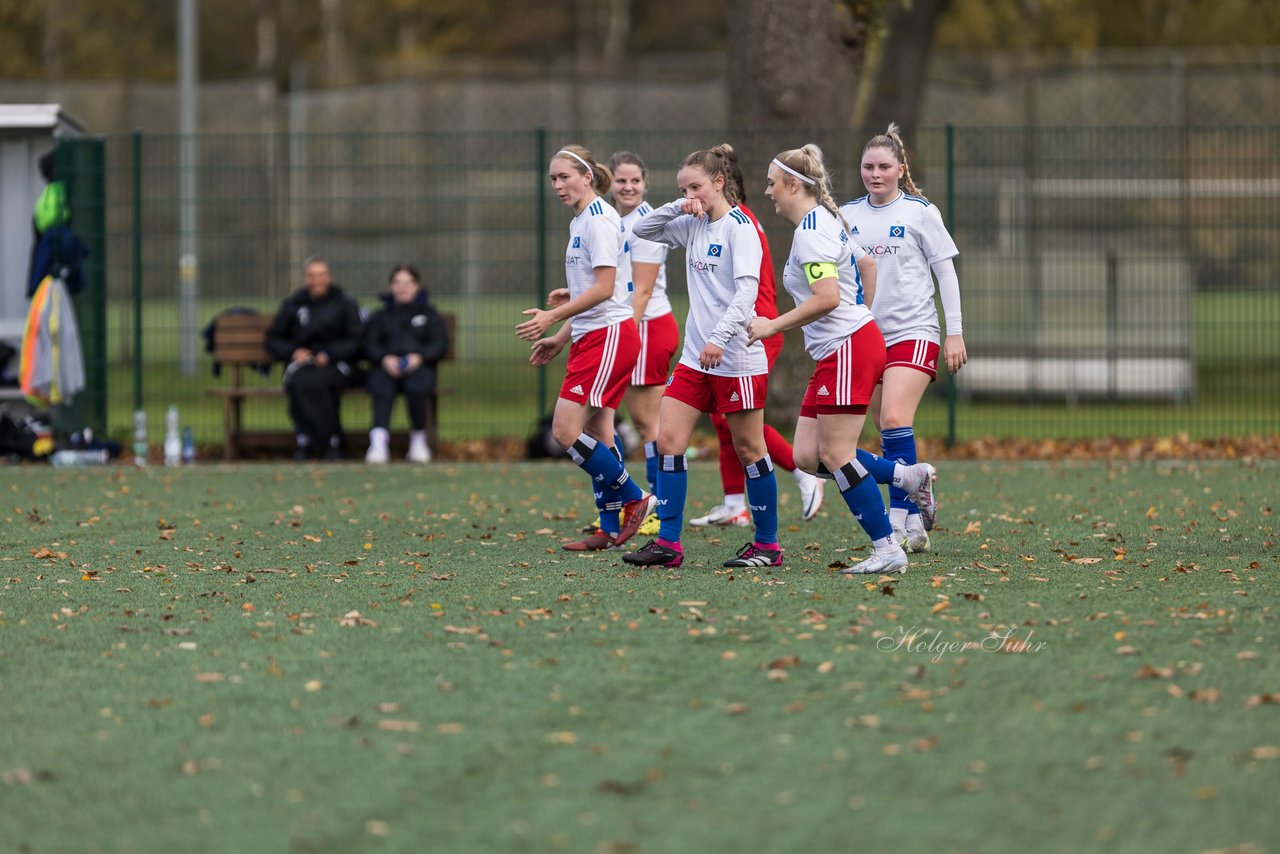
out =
column 808, row 161
column 892, row 140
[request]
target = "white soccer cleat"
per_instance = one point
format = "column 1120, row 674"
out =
column 377, row 454
column 886, row 563
column 922, row 494
column 723, row 514
column 811, row 493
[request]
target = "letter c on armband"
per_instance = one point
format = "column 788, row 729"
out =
column 820, row 270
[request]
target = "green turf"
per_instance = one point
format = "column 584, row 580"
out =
column 176, row 674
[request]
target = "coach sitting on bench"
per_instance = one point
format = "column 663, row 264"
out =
column 403, row 342
column 317, row 333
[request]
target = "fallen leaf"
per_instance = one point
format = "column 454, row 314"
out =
column 394, row 725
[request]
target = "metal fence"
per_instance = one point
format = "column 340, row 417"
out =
column 1116, row 281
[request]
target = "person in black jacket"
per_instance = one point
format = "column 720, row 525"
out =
column 316, row 333
column 403, row 342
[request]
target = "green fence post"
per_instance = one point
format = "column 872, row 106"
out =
column 951, row 223
column 540, row 280
column 137, row 270
column 83, row 163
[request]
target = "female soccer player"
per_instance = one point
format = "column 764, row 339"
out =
column 718, row 370
column 732, row 510
column 659, row 334
column 898, row 227
column 840, row 334
column 605, row 344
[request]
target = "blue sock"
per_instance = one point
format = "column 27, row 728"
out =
column 609, row 506
column 651, row 465
column 605, row 469
column 673, row 486
column 878, row 467
column 899, row 445
column 762, row 496
column 860, row 492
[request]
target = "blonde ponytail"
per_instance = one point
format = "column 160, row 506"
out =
column 809, row 163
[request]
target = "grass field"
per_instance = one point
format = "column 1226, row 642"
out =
column 329, row 659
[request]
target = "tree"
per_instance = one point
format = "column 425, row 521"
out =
column 903, row 66
column 793, row 67
column 794, row 63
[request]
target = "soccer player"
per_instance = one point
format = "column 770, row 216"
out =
column 718, row 370
column 732, row 510
column 840, row 334
column 898, row 227
column 605, row 344
column 659, row 334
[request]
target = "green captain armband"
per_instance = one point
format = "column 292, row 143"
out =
column 820, row 270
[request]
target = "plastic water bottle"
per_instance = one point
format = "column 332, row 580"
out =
column 140, row 438
column 188, row 446
column 63, row 459
column 172, row 438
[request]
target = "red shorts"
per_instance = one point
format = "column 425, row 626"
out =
column 772, row 347
column 710, row 393
column 659, row 340
column 844, row 381
column 921, row 355
column 600, row 364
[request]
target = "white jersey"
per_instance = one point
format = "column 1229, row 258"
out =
column 904, row 237
column 820, row 238
column 596, row 240
column 647, row 252
column 724, row 278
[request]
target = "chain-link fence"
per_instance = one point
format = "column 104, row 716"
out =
column 1116, row 281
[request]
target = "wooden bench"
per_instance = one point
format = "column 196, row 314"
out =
column 239, row 345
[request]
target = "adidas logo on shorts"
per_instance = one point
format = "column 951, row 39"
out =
column 733, row 398
column 933, row 363
column 576, row 390
column 822, row 391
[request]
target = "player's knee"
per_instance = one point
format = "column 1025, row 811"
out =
column 565, row 434
column 891, row 419
column 806, row 460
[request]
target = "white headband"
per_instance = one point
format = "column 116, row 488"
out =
column 785, row 168
column 590, row 174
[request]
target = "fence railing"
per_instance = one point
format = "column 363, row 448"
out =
column 1116, row 281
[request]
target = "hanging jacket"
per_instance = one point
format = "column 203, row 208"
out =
column 52, row 366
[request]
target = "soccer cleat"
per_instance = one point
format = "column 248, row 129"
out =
column 723, row 514
column 880, row 564
column 753, row 555
column 914, row 539
column 651, row 526
column 596, row 541
column 922, row 496
column 418, row 452
column 654, row 553
column 633, row 515
column 377, row 454
column 811, row 493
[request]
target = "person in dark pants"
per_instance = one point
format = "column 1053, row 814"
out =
column 403, row 342
column 317, row 334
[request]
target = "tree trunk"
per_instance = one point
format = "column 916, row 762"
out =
column 793, row 67
column 904, row 64
column 794, row 63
